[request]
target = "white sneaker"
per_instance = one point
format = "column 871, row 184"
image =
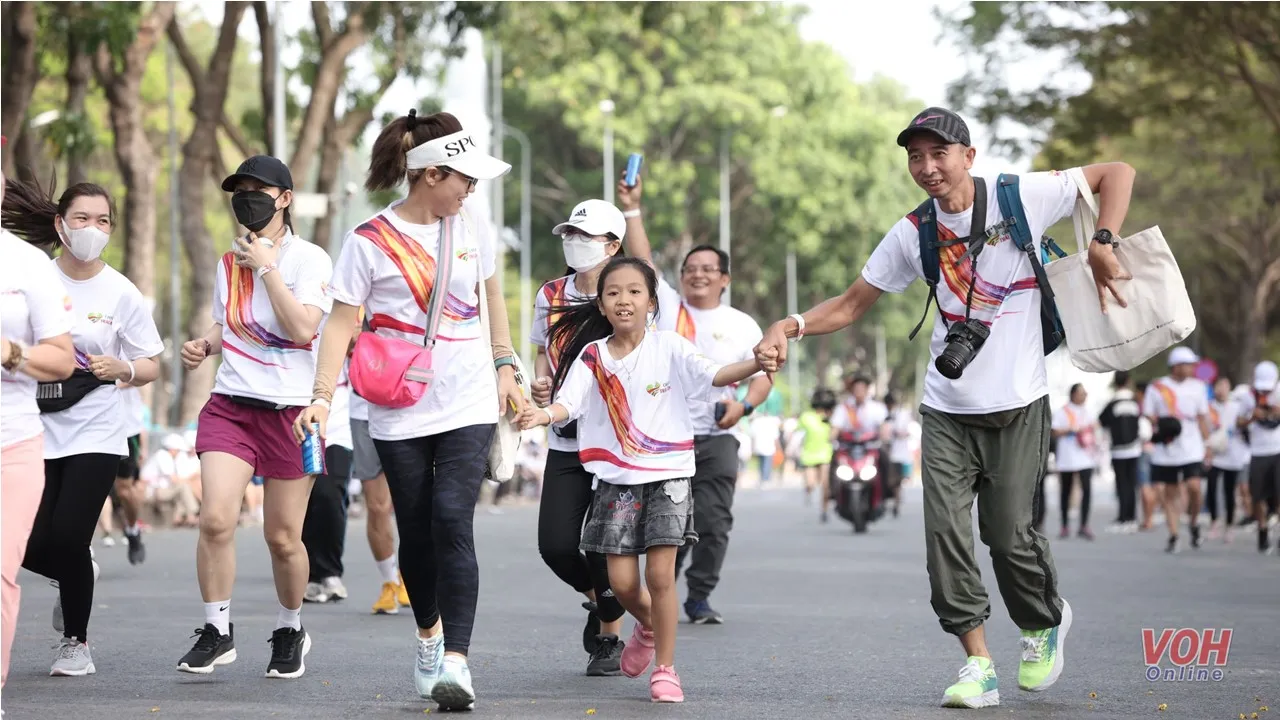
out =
column 108, row 541
column 315, row 593
column 453, row 689
column 334, row 588
column 73, row 659
column 426, row 671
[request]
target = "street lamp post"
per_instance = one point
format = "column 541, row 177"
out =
column 606, row 107
column 175, row 269
column 793, row 307
column 526, row 241
column 724, row 199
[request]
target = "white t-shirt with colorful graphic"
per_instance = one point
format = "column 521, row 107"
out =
column 111, row 318
column 259, row 360
column 551, row 295
column 635, row 424
column 724, row 334
column 34, row 306
column 1009, row 371
column 1077, row 451
column 388, row 265
column 1188, row 401
column 1263, row 441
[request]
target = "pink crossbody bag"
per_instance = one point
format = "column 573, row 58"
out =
column 395, row 373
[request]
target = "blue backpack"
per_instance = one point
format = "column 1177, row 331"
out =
column 1015, row 221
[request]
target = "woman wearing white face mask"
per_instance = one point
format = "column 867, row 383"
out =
column 592, row 235
column 115, row 341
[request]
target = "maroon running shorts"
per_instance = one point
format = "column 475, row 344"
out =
column 259, row 436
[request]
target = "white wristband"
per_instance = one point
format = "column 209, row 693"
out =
column 132, row 371
column 322, row 403
column 551, row 419
column 800, row 323
column 631, row 213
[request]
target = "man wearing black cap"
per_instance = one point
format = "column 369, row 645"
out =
column 985, row 416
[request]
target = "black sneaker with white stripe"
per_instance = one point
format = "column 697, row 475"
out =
column 211, row 649
column 288, row 648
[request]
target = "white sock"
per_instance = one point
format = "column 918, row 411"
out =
column 289, row 618
column 387, row 568
column 133, row 529
column 218, row 614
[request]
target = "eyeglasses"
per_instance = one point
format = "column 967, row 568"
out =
column 471, row 182
column 706, row 269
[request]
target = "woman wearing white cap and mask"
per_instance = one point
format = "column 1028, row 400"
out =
column 1260, row 416
column 432, row 421
column 85, row 433
column 591, row 236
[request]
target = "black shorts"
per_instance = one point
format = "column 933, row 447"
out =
column 129, row 465
column 1174, row 474
column 1264, row 478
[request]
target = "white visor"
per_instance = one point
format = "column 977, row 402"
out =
column 459, row 152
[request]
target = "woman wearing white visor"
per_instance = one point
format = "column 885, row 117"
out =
column 433, row 445
column 591, row 236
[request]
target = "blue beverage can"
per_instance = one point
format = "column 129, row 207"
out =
column 313, row 451
column 634, row 162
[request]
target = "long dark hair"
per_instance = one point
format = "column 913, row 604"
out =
column 582, row 323
column 28, row 210
column 388, row 162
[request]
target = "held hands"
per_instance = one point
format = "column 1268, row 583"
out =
column 105, row 367
column 194, row 352
column 313, row 414
column 1106, row 273
column 510, row 397
column 542, row 392
column 532, row 417
column 254, row 254
column 771, row 351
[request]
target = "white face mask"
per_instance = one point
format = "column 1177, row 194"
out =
column 582, row 253
column 86, row 243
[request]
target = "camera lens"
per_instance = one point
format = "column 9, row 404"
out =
column 950, row 363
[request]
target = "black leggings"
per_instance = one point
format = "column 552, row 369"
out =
column 75, row 488
column 435, row 483
column 1066, row 480
column 566, row 496
column 1126, row 470
column 324, row 531
column 1229, row 478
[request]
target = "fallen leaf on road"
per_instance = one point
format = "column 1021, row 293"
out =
column 1093, row 695
column 325, row 683
column 1262, row 709
column 155, row 709
column 1162, row 707
column 591, row 711
column 378, row 696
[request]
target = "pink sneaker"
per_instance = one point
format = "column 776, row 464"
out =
column 638, row 653
column 664, row 685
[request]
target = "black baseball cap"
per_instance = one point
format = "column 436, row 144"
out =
column 263, row 168
column 939, row 121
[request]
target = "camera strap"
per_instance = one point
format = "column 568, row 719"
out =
column 926, row 221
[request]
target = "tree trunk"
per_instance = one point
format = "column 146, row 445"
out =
column 1257, row 310
column 79, row 70
column 198, row 156
column 335, row 142
column 20, row 74
column 135, row 158
column 330, row 72
column 267, row 45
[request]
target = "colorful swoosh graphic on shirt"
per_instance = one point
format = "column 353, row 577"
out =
column 240, row 318
column 82, row 359
column 556, row 293
column 1170, row 399
column 634, row 442
column 684, row 324
column 986, row 295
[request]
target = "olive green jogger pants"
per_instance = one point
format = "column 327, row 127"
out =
column 999, row 459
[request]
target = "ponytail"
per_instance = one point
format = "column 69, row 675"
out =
column 388, row 162
column 29, row 210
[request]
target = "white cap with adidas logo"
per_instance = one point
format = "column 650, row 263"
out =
column 594, row 217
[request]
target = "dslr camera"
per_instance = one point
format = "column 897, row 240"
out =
column 964, row 340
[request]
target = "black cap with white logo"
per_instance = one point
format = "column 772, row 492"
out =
column 938, row 121
column 265, row 169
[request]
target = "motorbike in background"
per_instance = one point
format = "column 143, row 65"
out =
column 855, row 479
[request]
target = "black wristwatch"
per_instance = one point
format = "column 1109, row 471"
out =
column 1104, row 237
column 747, row 408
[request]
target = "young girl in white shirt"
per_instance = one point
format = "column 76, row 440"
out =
column 630, row 386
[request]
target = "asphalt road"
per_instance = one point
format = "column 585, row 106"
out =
column 819, row 623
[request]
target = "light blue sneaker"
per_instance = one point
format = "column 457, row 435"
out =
column 976, row 688
column 453, row 689
column 1042, row 654
column 426, row 671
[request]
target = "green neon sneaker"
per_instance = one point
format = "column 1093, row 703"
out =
column 976, row 687
column 1042, row 654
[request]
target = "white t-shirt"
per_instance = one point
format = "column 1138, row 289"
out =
column 465, row 391
column 555, row 293
column 900, row 447
column 724, row 334
column 111, row 318
column 1223, row 415
column 864, row 418
column 338, row 428
column 34, row 306
column 1077, row 451
column 161, row 470
column 259, row 360
column 1263, row 442
column 359, row 408
column 1187, row 401
column 635, row 419
column 131, row 411
column 1009, row 371
column 765, row 431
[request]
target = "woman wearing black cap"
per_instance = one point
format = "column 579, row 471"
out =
column 269, row 301
column 434, row 446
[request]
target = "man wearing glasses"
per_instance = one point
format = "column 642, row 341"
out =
column 725, row 335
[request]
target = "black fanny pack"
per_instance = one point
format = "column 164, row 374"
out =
column 1167, row 430
column 568, row 432
column 256, row 402
column 60, row 395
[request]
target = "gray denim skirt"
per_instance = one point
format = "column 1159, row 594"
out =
column 630, row 519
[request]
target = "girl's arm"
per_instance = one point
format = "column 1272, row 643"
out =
column 736, row 372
